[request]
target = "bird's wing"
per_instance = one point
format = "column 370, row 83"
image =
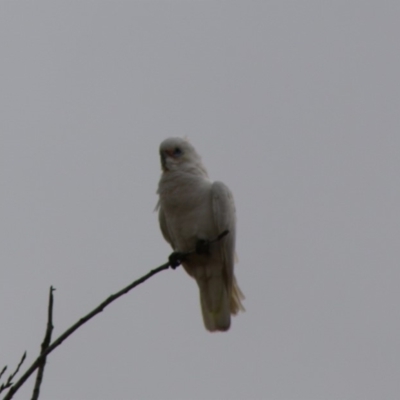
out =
column 225, row 218
column 164, row 227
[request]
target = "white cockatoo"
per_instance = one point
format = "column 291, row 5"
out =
column 193, row 212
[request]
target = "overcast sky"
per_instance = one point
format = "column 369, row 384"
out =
column 294, row 105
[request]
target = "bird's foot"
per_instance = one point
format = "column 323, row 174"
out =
column 175, row 259
column 203, row 246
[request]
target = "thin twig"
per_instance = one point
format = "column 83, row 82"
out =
column 2, row 371
column 3, row 385
column 89, row 316
column 220, row 236
column 45, row 345
column 9, row 382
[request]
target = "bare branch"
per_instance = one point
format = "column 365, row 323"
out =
column 36, row 364
column 45, row 345
column 74, row 327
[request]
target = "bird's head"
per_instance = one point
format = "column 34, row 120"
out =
column 178, row 154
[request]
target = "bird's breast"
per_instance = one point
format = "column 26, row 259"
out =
column 188, row 214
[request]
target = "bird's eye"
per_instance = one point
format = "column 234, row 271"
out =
column 177, row 152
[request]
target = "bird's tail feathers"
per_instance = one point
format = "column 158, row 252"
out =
column 215, row 305
column 236, row 298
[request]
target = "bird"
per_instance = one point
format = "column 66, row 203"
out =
column 197, row 218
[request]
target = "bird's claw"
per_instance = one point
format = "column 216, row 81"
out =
column 175, row 259
column 203, row 246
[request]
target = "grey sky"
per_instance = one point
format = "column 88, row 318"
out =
column 294, row 105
